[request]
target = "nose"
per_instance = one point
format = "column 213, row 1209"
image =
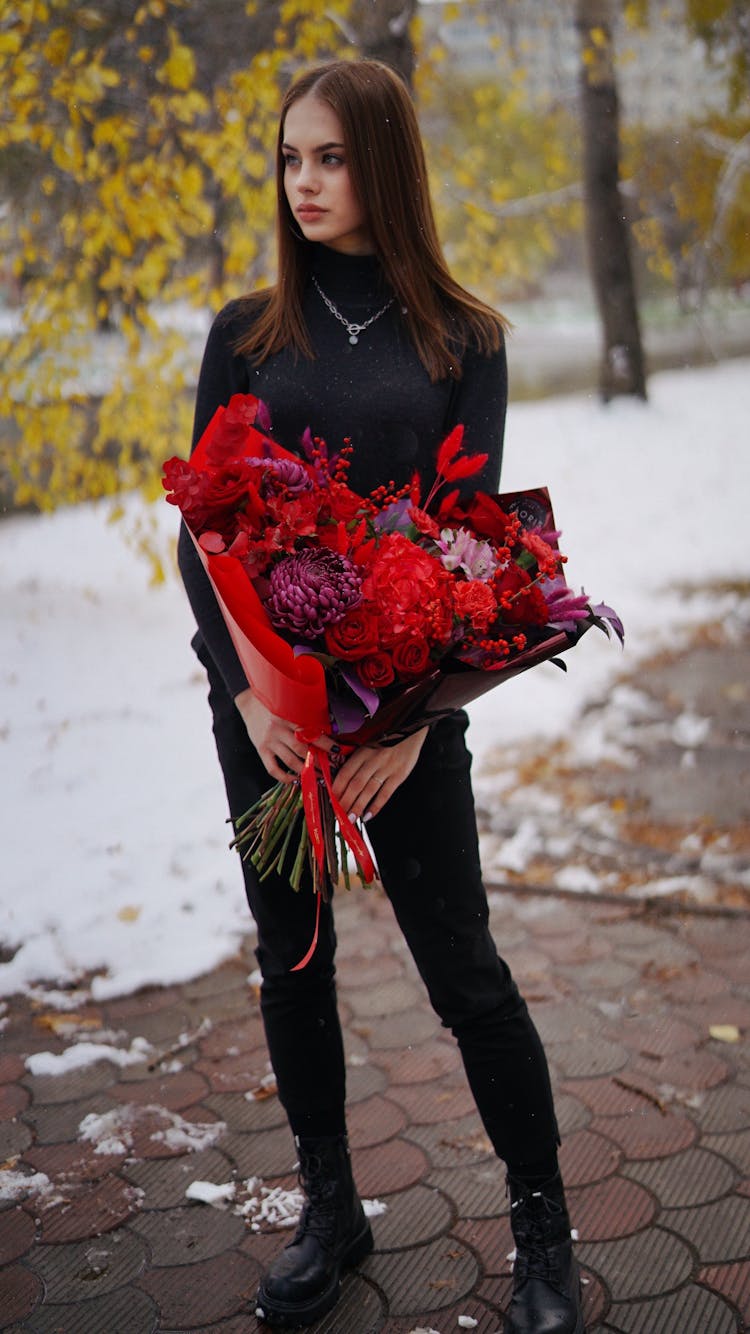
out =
column 307, row 179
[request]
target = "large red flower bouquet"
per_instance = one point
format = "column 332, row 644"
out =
column 364, row 617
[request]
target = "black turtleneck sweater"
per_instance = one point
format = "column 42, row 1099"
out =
column 377, row 393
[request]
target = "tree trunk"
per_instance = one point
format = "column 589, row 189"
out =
column 382, row 30
column 607, row 231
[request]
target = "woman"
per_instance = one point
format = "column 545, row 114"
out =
column 367, row 336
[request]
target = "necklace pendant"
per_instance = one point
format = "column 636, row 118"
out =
column 354, row 339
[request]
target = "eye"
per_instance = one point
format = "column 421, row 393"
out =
column 290, row 160
column 333, row 160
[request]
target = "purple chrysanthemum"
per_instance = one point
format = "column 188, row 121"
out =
column 310, row 589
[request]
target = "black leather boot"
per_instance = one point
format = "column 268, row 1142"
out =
column 546, row 1285
column 333, row 1233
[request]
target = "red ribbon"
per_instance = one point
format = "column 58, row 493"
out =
column 315, row 760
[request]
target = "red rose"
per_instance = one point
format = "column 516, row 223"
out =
column 475, row 601
column 376, row 671
column 411, row 656
column 354, row 636
column 344, row 504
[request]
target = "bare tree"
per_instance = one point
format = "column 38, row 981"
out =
column 383, row 32
column 607, row 230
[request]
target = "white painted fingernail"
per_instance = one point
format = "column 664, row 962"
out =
column 367, row 815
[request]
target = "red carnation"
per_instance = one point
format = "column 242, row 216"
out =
column 411, row 591
column 475, row 602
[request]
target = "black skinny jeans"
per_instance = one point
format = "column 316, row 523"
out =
column 425, row 842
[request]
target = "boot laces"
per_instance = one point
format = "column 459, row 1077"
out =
column 319, row 1212
column 537, row 1253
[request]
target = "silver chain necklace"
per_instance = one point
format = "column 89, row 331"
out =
column 353, row 330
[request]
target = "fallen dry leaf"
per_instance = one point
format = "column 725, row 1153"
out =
column 725, row 1032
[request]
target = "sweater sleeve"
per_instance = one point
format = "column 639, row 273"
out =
column 222, row 374
column 479, row 401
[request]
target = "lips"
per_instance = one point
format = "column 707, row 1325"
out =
column 308, row 212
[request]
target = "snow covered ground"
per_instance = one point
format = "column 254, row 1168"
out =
column 114, row 847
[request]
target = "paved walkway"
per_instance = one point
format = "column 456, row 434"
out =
column 644, row 1014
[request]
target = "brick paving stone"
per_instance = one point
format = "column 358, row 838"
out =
column 594, row 1056
column 232, row 1039
column 188, row 1235
column 648, row 1133
column 725, row 1009
column 362, row 1081
column 423, row 1278
column 216, row 983
column 57, row 1123
column 453, row 1143
column 174, row 1092
column 719, row 1232
column 359, row 971
column 571, row 1113
column 640, row 1266
column 476, row 1191
column 17, row 1232
column 85, row 1211
column 72, row 1087
column 78, row 1271
column 609, row 1209
column 390, row 998
column 15, row 1137
column 731, row 1281
column 717, row 938
column 578, row 947
column 71, row 1162
column 225, row 1008
column 241, row 1113
column 496, row 1292
column 413, row 1216
column 162, row 1028
column 127, row 1311
column 373, row 1121
column 12, row 1067
column 490, row 1239
column 14, row 1098
column 735, row 1148
column 417, row 1065
column 688, row 1071
column 586, row 1156
column 659, row 1035
column 165, row 1180
column 147, row 1001
column 409, row 1028
column 271, row 1154
column 487, row 1320
column 608, row 975
column 201, row 1294
column 724, row 1110
column 233, row 1074
column 425, row 1104
column 685, row 984
column 605, row 1096
column 695, row 1176
column 692, row 1309
column 388, row 1167
column 565, row 1021
column 21, row 1292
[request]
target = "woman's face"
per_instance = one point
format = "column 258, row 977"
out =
column 316, row 179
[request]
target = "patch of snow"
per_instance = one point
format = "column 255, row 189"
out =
column 81, row 1054
column 205, row 1192
column 690, row 730
column 580, row 879
column 17, row 1186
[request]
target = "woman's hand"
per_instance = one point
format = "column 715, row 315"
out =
column 274, row 739
column 371, row 774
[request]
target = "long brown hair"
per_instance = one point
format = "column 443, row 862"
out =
column 387, row 167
